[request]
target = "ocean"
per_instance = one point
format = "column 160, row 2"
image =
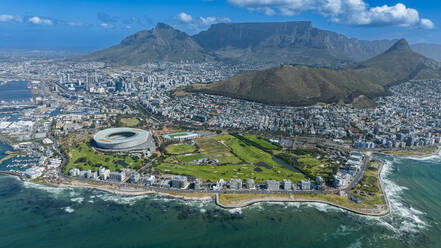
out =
column 15, row 91
column 33, row 215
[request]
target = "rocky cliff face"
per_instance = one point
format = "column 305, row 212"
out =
column 285, row 42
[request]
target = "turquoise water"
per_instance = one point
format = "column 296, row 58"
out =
column 39, row 216
column 15, row 91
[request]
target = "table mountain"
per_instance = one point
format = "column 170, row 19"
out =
column 286, row 42
column 276, row 43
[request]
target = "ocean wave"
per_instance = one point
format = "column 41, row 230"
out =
column 403, row 218
column 434, row 157
column 322, row 207
column 120, row 199
column 77, row 200
column 49, row 189
column 69, row 210
column 235, row 211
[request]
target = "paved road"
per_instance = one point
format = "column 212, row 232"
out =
column 359, row 175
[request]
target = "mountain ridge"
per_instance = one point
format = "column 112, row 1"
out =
column 272, row 43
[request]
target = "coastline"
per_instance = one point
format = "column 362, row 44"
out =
column 418, row 154
column 277, row 198
column 213, row 196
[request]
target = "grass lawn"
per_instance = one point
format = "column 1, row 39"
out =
column 177, row 149
column 84, row 158
column 129, row 122
column 250, row 154
column 261, row 142
column 213, row 173
column 190, row 158
column 213, row 148
column 238, row 159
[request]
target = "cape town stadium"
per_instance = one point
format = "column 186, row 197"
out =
column 122, row 139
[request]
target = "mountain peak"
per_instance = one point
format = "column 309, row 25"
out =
column 400, row 45
column 161, row 25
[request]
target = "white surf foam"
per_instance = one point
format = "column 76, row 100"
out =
column 69, row 210
column 77, row 200
column 235, row 211
column 434, row 157
column 403, row 219
column 49, row 189
column 119, row 199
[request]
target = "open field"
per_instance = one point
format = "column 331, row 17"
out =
column 261, row 142
column 249, row 153
column 190, row 158
column 213, row 148
column 213, row 173
column 84, row 157
column 237, row 159
column 129, row 122
column 177, row 149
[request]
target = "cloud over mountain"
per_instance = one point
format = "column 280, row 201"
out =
column 184, row 17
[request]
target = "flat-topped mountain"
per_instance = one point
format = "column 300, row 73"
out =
column 286, row 42
column 303, row 85
column 280, row 42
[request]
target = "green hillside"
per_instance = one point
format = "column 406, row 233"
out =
column 302, row 85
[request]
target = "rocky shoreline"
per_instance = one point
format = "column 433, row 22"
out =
column 276, row 198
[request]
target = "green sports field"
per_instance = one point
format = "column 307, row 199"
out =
column 177, row 149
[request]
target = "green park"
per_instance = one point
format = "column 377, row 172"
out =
column 235, row 156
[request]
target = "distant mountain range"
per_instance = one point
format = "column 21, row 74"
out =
column 277, row 43
column 303, row 85
column 432, row 51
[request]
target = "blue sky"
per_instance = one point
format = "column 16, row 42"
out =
column 95, row 24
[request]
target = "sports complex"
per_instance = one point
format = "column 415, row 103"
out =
column 122, row 139
column 181, row 136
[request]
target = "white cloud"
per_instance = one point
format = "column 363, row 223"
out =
column 184, row 17
column 75, row 24
column 40, row 21
column 209, row 20
column 107, row 25
column 427, row 24
column 10, row 18
column 352, row 12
